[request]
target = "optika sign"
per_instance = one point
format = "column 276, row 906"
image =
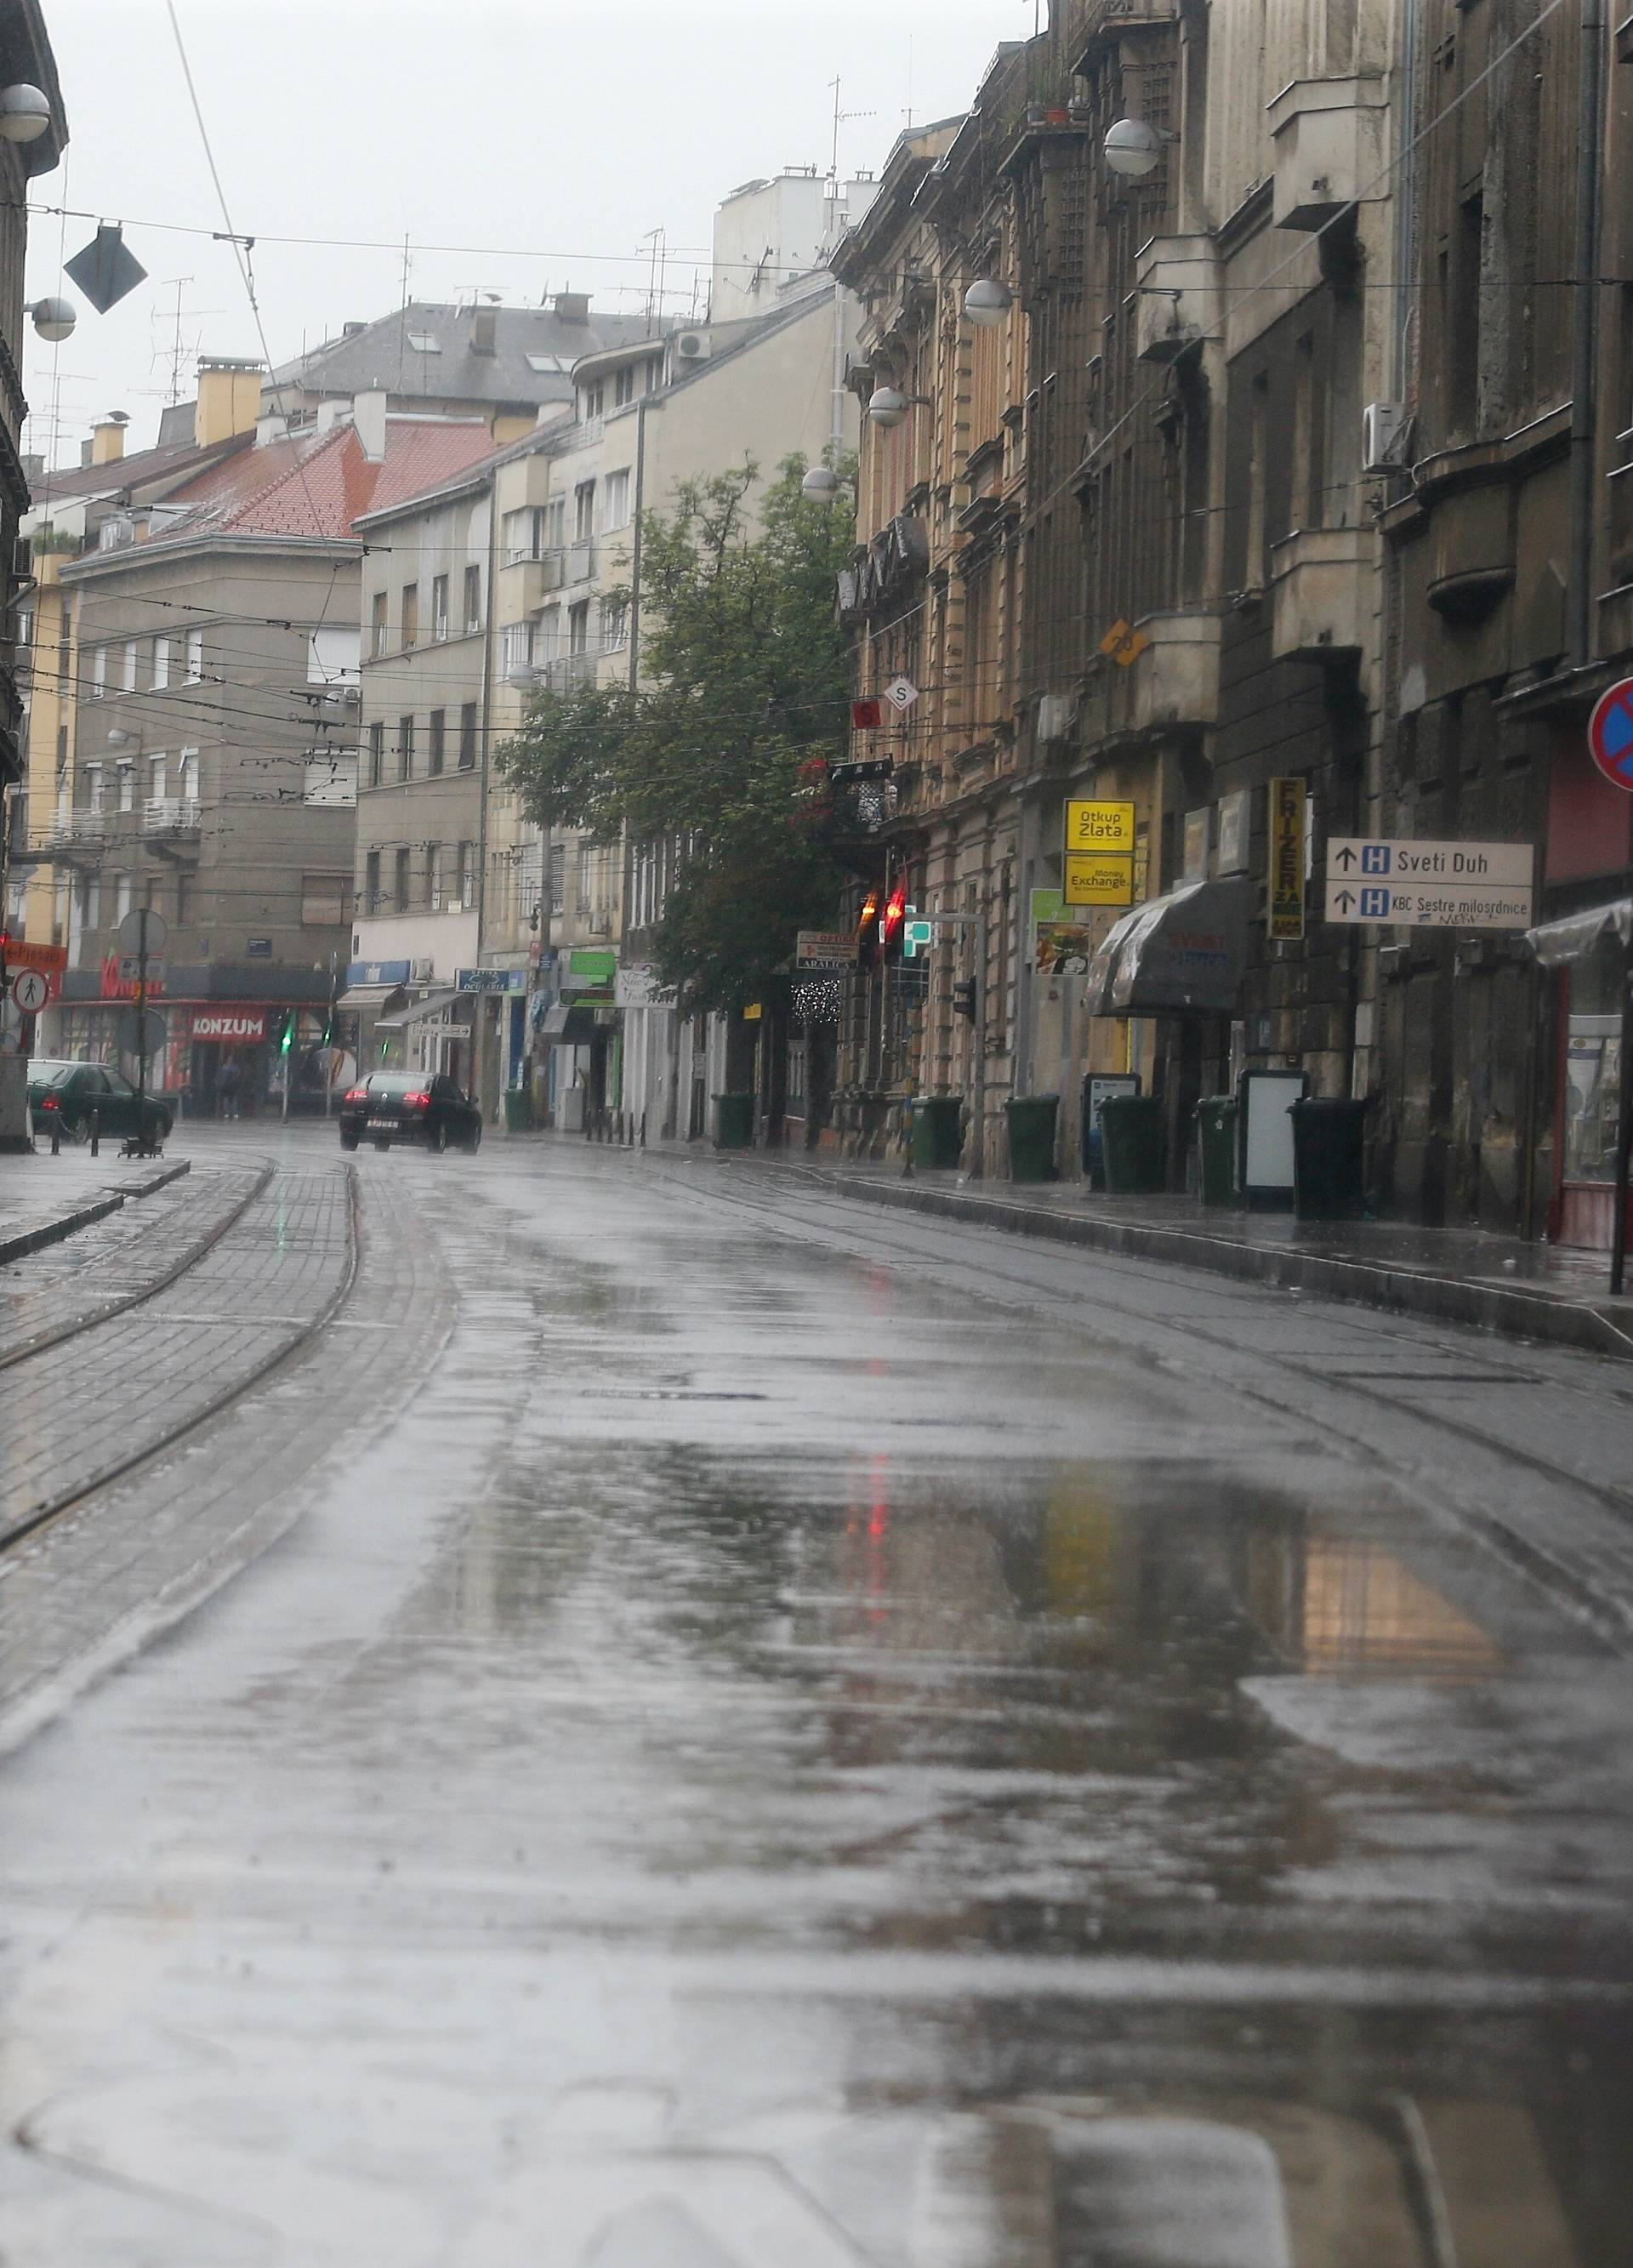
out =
column 241, row 1026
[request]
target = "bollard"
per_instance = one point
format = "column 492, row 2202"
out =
column 644, row 1130
column 96, row 1131
column 56, row 1133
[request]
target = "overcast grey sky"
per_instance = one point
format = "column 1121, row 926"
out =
column 559, row 129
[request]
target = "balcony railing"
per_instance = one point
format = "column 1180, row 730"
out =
column 77, row 833
column 170, row 815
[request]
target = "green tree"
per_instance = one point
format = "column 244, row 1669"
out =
column 743, row 694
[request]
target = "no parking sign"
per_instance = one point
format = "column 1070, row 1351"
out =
column 1610, row 735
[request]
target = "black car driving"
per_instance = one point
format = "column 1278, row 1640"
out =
column 399, row 1106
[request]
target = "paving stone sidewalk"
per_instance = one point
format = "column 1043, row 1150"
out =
column 44, row 1198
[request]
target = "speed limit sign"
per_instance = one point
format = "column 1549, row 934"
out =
column 30, row 988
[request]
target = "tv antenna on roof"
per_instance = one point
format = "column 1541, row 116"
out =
column 842, row 118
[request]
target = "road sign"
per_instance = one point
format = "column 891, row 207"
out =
column 1125, row 644
column 30, row 988
column 1610, row 735
column 143, row 929
column 865, row 767
column 1099, row 827
column 902, row 693
column 916, row 937
column 1390, row 882
column 824, row 949
column 1284, row 915
column 130, row 969
column 1099, row 879
column 140, row 1032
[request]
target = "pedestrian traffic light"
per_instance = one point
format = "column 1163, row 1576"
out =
column 287, row 1041
column 867, row 933
column 892, row 924
column 964, row 997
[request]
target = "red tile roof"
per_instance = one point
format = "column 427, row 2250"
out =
column 317, row 485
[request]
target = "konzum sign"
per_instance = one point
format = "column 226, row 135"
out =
column 241, row 1027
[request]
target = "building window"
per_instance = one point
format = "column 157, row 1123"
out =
column 592, row 401
column 578, row 627
column 377, row 754
column 400, row 890
column 93, row 789
column 127, row 678
column 325, row 901
column 433, row 876
column 623, row 387
column 439, row 742
column 468, row 737
column 195, row 657
column 558, row 878
column 98, row 673
column 586, row 865
column 616, row 511
column 161, row 663
column 439, row 607
column 614, row 624
column 473, row 599
column 517, row 648
column 186, row 784
column 410, row 616
column 468, row 874
column 122, row 898
column 583, row 511
column 405, row 748
column 377, row 625
column 556, row 524
column 156, row 768
column 521, row 534
column 127, row 787
column 372, row 882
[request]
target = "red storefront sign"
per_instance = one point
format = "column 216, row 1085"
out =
column 50, row 960
column 116, row 987
column 237, row 1026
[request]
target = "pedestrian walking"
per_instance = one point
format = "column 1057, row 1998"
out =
column 228, row 1083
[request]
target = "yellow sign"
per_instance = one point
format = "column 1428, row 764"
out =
column 752, row 1012
column 1098, row 878
column 1099, row 827
column 1285, row 915
column 1125, row 644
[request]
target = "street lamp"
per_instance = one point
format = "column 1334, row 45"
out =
column 25, row 112
column 1134, row 147
column 53, row 318
column 987, row 302
column 822, row 483
column 888, row 406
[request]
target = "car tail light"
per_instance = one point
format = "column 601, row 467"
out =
column 356, row 1094
column 419, row 1101
column 49, row 1102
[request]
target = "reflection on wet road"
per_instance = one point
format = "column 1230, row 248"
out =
column 784, row 1755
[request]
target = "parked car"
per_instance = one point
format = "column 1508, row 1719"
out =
column 396, row 1105
column 67, row 1094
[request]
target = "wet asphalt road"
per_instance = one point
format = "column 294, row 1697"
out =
column 753, row 1731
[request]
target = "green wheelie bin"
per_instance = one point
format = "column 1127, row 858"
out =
column 1031, row 1137
column 734, row 1121
column 1131, row 1144
column 937, row 1131
column 1216, row 1143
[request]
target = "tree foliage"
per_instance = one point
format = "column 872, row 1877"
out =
column 744, row 687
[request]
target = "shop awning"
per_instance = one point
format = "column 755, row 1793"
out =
column 418, row 1012
column 1558, row 943
column 1182, row 953
column 566, row 1024
column 368, row 996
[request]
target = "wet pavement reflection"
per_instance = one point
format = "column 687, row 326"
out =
column 772, row 1762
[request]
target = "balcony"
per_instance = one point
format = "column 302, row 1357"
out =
column 1176, row 678
column 172, row 816
column 533, row 575
column 1177, row 302
column 1328, row 135
column 77, row 838
column 1323, row 592
column 1107, row 20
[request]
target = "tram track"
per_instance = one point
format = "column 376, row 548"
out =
column 106, row 1412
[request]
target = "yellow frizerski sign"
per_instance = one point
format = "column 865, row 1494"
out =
column 1285, row 913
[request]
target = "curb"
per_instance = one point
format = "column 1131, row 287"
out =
column 1397, row 1290
column 69, row 1224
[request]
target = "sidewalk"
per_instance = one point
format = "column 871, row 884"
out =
column 43, row 1198
column 1495, row 1283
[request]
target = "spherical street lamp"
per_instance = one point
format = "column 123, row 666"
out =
column 53, row 318
column 25, row 112
column 822, row 483
column 887, row 406
column 987, row 302
column 1132, row 147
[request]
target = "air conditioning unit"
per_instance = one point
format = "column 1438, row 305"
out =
column 693, row 346
column 1386, row 435
column 1054, row 716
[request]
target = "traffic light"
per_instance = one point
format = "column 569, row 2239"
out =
column 964, row 997
column 867, row 933
column 287, row 1041
column 893, row 923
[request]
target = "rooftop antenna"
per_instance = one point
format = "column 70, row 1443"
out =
column 179, row 283
column 842, row 118
column 658, row 238
column 908, row 114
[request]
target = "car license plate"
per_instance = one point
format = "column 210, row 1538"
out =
column 382, row 1121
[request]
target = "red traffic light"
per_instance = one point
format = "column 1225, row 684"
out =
column 867, row 933
column 893, row 921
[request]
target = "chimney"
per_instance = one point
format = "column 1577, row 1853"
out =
column 572, row 306
column 33, row 469
column 350, row 330
column 368, row 415
column 229, row 399
column 484, row 331
column 107, row 438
